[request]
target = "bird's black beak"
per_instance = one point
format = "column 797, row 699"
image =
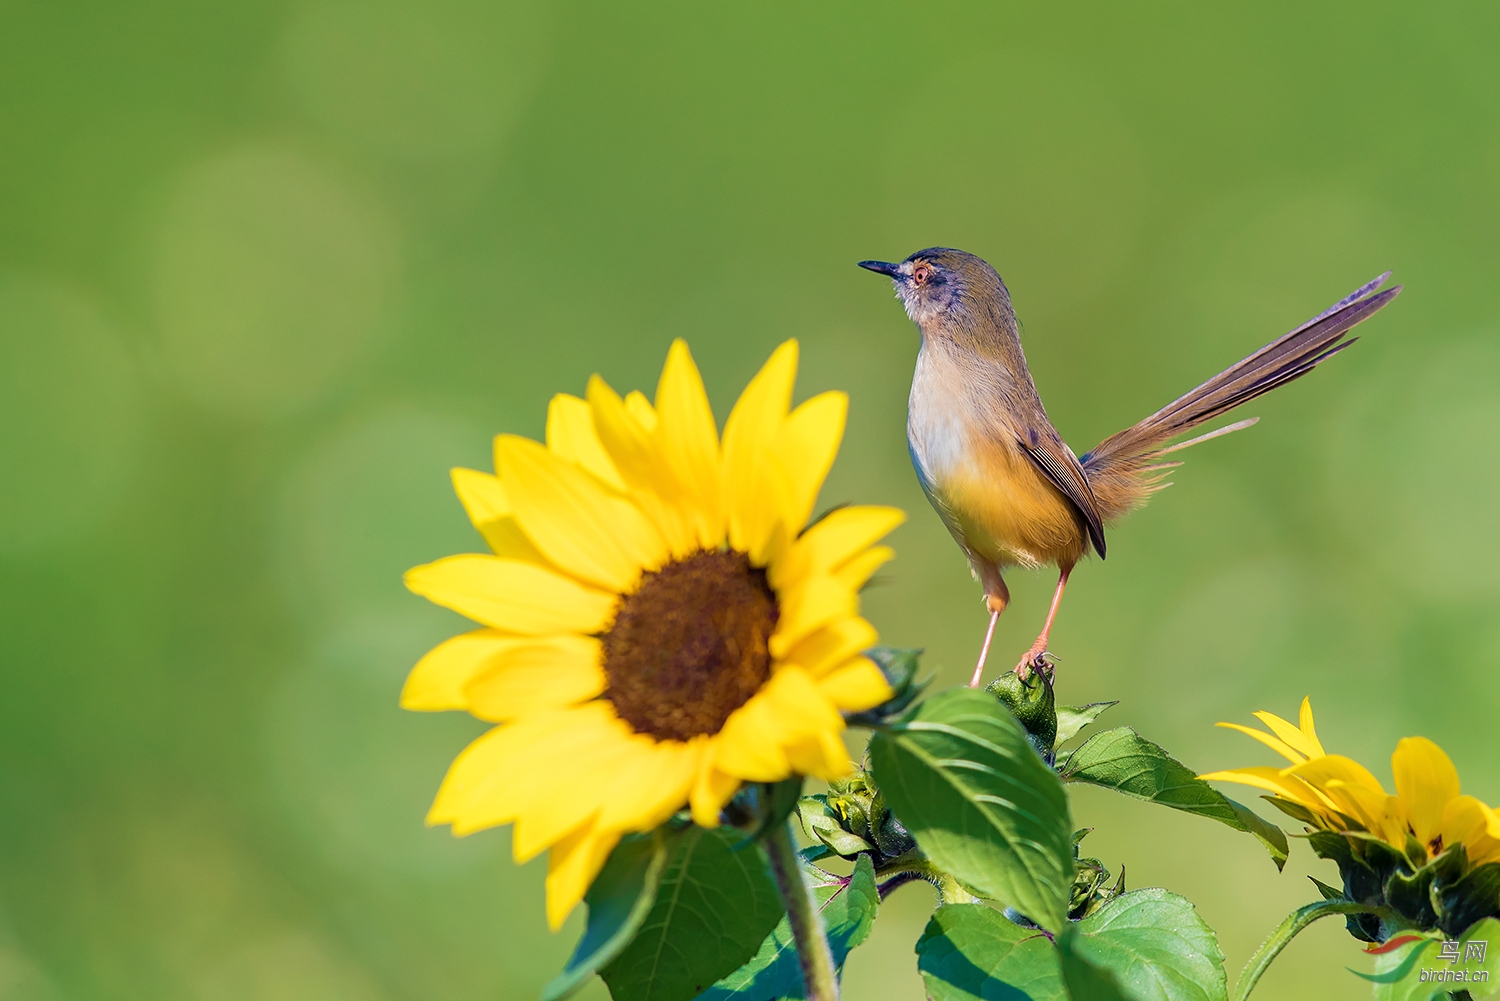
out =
column 882, row 268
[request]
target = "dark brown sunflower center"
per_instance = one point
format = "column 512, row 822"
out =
column 688, row 646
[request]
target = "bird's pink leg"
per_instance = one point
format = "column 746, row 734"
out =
column 1036, row 656
column 984, row 651
column 996, row 597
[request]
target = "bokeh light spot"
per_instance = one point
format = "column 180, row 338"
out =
column 71, row 407
column 369, row 503
column 271, row 277
column 1410, row 465
column 417, row 80
column 287, row 967
column 356, row 771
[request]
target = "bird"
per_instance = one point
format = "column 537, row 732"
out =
column 1005, row 484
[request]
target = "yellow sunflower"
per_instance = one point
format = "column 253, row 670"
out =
column 1341, row 795
column 659, row 623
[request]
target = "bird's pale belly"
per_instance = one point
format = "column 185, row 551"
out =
column 1006, row 511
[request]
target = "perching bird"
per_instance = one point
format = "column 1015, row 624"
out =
column 1009, row 489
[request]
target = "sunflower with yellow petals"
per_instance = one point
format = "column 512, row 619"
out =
column 1339, row 794
column 660, row 622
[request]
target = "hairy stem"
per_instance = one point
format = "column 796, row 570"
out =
column 950, row 890
column 899, row 880
column 802, row 915
column 953, row 892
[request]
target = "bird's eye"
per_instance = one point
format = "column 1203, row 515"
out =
column 920, row 274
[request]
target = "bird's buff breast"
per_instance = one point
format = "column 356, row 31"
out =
column 993, row 499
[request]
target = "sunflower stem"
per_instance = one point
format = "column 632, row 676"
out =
column 803, row 916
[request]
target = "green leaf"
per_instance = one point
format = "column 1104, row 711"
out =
column 1071, row 719
column 959, row 774
column 1328, row 892
column 900, row 670
column 820, row 821
column 1123, row 760
column 1155, row 943
column 899, row 666
column 970, row 952
column 848, row 908
column 1145, row 945
column 619, row 900
column 714, row 906
column 815, row 853
column 1086, row 977
column 1284, row 933
column 1407, row 965
column 1271, row 837
column 774, row 803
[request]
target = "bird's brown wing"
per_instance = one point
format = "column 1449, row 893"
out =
column 1058, row 463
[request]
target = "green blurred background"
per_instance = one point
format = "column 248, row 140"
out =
column 268, row 269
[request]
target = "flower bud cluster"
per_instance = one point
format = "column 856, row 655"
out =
column 1408, row 890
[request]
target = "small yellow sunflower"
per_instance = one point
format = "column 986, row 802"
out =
column 659, row 624
column 1342, row 795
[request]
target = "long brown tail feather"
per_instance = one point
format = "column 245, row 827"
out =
column 1124, row 470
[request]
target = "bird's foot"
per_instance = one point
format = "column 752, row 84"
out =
column 1037, row 659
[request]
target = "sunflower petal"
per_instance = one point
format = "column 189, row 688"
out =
column 496, row 777
column 640, row 408
column 1487, row 847
column 571, row 435
column 751, row 479
column 813, row 603
column 750, row 744
column 1272, row 780
column 598, row 538
column 832, row 645
column 572, row 866
column 1331, row 776
column 653, row 783
column 856, row 686
column 1318, row 771
column 689, row 442
column 804, row 447
column 438, row 680
column 1265, row 738
column 773, row 547
column 809, row 718
column 574, row 784
column 834, row 541
column 527, row 675
column 857, row 572
column 632, row 447
column 1379, row 813
column 1352, row 807
column 1465, row 820
column 1305, row 724
column 488, row 507
column 627, row 443
column 1291, row 735
column 512, row 595
column 1426, row 781
column 482, row 495
column 823, row 755
column 712, row 788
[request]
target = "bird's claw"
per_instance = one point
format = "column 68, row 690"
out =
column 1037, row 660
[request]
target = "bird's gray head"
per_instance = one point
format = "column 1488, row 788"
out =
column 939, row 286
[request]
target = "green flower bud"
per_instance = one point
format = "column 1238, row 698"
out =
column 892, row 839
column 1031, row 701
